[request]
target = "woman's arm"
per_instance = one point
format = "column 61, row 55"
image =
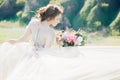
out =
column 27, row 33
column 22, row 38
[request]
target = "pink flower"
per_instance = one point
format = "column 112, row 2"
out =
column 71, row 38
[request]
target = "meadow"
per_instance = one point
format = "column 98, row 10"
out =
column 12, row 30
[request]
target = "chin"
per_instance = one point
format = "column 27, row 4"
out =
column 55, row 25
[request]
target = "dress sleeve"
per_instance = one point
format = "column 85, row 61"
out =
column 50, row 40
column 28, row 31
column 31, row 24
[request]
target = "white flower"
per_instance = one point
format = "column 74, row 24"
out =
column 78, row 41
column 64, row 36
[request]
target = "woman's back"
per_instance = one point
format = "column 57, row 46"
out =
column 42, row 33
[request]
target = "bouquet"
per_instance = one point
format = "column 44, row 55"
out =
column 72, row 38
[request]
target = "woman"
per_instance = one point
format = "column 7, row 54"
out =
column 48, row 16
column 39, row 62
column 43, row 36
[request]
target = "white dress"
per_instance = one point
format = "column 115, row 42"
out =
column 26, row 61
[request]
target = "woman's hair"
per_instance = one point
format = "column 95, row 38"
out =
column 49, row 12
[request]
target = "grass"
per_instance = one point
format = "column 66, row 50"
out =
column 10, row 30
column 101, row 39
column 104, row 41
column 112, row 40
column 10, row 33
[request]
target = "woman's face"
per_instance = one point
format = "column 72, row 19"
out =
column 56, row 20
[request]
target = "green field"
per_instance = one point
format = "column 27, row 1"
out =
column 10, row 33
column 104, row 41
column 9, row 30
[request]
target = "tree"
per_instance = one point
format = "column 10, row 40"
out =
column 9, row 8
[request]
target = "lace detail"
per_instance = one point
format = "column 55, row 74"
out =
column 42, row 34
column 37, row 48
column 36, row 42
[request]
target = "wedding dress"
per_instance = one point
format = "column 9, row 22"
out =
column 35, row 61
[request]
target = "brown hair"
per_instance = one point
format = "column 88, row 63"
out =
column 49, row 12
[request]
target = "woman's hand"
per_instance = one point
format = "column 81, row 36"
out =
column 13, row 41
column 58, row 39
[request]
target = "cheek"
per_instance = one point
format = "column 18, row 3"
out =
column 56, row 22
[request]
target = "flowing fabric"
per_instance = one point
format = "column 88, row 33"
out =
column 70, row 63
column 26, row 61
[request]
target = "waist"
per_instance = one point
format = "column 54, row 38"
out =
column 38, row 46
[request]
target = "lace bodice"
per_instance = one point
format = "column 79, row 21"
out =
column 42, row 34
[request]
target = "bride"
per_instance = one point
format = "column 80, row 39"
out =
column 40, row 61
